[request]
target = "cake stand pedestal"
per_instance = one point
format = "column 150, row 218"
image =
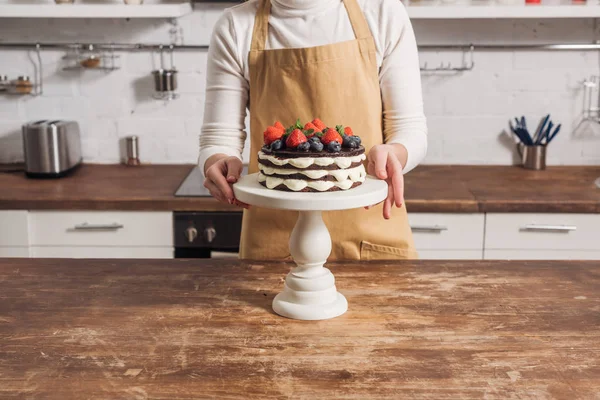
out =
column 309, row 292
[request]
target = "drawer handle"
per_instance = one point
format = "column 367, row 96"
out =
column 433, row 228
column 549, row 228
column 88, row 227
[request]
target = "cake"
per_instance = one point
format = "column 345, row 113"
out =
column 311, row 158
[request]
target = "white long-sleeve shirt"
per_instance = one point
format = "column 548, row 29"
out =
column 309, row 23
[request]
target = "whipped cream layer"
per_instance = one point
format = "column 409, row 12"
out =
column 305, row 162
column 297, row 185
column 339, row 174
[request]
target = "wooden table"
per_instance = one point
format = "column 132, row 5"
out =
column 429, row 188
column 185, row 329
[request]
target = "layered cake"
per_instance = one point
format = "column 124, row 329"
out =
column 311, row 158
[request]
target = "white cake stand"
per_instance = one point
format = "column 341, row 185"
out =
column 309, row 292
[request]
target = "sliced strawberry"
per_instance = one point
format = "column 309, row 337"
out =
column 279, row 125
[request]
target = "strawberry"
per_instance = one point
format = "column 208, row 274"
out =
column 331, row 136
column 279, row 125
column 295, row 138
column 311, row 130
column 272, row 134
column 348, row 131
column 319, row 124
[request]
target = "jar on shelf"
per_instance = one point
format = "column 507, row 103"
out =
column 22, row 85
column 4, row 83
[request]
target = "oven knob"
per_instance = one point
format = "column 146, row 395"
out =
column 210, row 233
column 191, row 234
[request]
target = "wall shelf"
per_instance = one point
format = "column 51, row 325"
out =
column 165, row 10
column 500, row 11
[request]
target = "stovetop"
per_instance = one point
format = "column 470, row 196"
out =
column 193, row 184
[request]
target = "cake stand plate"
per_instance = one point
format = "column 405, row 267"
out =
column 309, row 292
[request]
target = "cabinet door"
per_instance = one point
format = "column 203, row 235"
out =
column 541, row 255
column 450, row 254
column 14, row 229
column 101, row 252
column 448, row 236
column 101, row 228
column 14, row 252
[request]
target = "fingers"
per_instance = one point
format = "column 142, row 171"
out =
column 388, row 203
column 234, row 169
column 216, row 177
column 380, row 158
column 240, row 204
column 397, row 179
column 214, row 191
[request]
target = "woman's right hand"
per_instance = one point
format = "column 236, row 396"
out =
column 221, row 172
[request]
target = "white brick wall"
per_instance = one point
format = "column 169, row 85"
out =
column 467, row 112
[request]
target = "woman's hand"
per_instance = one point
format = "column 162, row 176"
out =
column 221, row 172
column 385, row 162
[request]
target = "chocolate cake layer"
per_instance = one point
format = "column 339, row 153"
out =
column 300, row 154
column 331, row 167
column 284, row 188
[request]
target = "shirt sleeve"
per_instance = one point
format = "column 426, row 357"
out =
column 223, row 129
column 400, row 81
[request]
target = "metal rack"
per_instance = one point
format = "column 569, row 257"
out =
column 110, row 49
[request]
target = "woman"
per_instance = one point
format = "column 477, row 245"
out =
column 352, row 62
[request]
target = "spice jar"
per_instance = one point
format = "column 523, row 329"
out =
column 22, row 85
column 4, row 83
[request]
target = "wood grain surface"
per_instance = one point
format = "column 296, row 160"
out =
column 461, row 189
column 189, row 329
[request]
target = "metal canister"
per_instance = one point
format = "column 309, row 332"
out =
column 533, row 157
column 132, row 150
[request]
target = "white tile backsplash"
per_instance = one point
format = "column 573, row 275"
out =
column 467, row 112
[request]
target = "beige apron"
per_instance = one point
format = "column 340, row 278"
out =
column 339, row 84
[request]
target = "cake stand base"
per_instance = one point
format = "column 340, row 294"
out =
column 309, row 292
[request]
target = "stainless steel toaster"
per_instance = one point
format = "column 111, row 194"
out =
column 52, row 148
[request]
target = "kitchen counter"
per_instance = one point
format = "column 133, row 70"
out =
column 466, row 189
column 184, row 329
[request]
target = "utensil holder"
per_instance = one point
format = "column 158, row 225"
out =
column 533, row 157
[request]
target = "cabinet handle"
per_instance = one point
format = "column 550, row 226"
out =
column 88, row 227
column 424, row 228
column 548, row 228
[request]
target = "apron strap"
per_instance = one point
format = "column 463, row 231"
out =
column 261, row 26
column 357, row 20
column 261, row 23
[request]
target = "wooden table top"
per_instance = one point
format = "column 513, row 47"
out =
column 428, row 189
column 188, row 329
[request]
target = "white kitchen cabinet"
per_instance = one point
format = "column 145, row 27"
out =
column 542, row 236
column 450, row 254
column 448, row 236
column 14, row 229
column 14, row 252
column 101, row 252
column 542, row 255
column 101, row 228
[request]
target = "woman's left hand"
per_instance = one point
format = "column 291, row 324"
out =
column 384, row 163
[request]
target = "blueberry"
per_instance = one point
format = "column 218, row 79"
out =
column 304, row 146
column 276, row 145
column 348, row 142
column 316, row 146
column 314, row 139
column 334, row 147
column 357, row 140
